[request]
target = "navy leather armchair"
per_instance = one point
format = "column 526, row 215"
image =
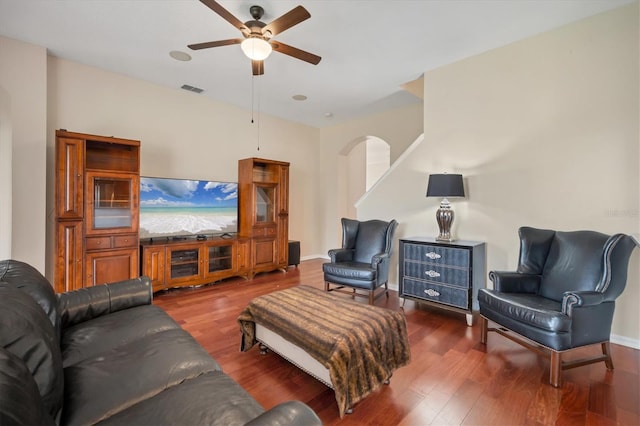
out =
column 363, row 261
column 562, row 295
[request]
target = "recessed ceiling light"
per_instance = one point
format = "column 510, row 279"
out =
column 299, row 97
column 328, row 115
column 180, row 56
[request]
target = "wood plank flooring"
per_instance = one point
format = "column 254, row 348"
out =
column 452, row 379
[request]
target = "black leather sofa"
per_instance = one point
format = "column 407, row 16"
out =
column 107, row 355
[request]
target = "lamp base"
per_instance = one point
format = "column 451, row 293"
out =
column 444, row 217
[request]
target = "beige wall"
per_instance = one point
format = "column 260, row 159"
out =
column 356, row 177
column 23, row 79
column 185, row 135
column 546, row 134
column 399, row 128
column 6, row 142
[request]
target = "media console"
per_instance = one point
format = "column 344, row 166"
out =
column 189, row 262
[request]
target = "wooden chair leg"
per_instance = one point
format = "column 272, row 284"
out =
column 386, row 289
column 555, row 370
column 371, row 298
column 606, row 351
column 484, row 329
column 326, row 286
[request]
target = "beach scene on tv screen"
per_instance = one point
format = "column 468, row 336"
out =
column 177, row 207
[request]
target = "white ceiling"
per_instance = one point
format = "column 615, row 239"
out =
column 369, row 48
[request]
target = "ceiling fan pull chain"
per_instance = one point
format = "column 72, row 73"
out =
column 253, row 101
column 252, row 98
column 259, row 120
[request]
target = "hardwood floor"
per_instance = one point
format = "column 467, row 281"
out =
column 452, row 379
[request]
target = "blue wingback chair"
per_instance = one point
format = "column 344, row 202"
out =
column 363, row 261
column 562, row 295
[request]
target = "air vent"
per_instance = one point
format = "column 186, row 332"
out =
column 192, row 89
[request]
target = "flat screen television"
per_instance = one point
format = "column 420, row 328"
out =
column 181, row 207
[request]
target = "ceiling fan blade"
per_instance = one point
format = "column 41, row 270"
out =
column 257, row 67
column 226, row 15
column 286, row 21
column 208, row 44
column 295, row 52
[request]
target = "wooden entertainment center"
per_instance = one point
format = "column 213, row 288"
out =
column 260, row 246
column 189, row 262
column 97, row 185
column 97, row 207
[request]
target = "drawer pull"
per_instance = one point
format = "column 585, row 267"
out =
column 431, row 292
column 432, row 274
column 433, row 255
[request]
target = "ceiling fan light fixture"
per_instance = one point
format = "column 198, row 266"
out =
column 256, row 48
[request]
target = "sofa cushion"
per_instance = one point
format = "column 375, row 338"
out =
column 112, row 381
column 350, row 270
column 20, row 403
column 575, row 263
column 210, row 399
column 530, row 309
column 27, row 278
column 371, row 240
column 87, row 339
column 25, row 331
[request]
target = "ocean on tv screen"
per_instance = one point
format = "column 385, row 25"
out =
column 177, row 207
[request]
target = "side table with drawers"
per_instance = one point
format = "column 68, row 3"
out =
column 443, row 274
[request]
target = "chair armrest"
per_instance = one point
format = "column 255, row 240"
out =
column 287, row 413
column 573, row 299
column 379, row 258
column 341, row 255
column 514, row 282
column 84, row 304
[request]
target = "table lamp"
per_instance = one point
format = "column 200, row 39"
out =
column 445, row 186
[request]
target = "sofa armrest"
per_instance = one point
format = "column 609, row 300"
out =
column 84, row 304
column 574, row 299
column 287, row 413
column 514, row 282
column 341, row 255
column 379, row 258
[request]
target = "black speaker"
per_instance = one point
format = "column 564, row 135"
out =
column 294, row 253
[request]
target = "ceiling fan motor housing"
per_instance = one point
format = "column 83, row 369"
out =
column 256, row 29
column 256, row 12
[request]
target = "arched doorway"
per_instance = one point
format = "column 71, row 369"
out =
column 368, row 158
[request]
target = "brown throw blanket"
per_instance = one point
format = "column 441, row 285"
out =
column 360, row 345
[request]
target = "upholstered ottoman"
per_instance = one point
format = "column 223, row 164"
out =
column 351, row 347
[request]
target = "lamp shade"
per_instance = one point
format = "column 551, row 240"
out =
column 445, row 185
column 255, row 48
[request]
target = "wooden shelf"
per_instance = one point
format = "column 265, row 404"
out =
column 263, row 208
column 96, row 193
column 160, row 260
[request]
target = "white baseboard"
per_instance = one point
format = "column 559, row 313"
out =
column 625, row 341
column 315, row 256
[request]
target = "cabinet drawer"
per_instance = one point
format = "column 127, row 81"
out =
column 457, row 297
column 438, row 255
column 125, row 241
column 442, row 274
column 97, row 243
column 264, row 232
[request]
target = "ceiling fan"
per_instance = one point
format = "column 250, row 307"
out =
column 258, row 43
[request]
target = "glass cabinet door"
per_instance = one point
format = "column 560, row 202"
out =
column 111, row 203
column 220, row 258
column 265, row 204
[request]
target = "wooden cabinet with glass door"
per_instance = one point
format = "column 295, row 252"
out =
column 97, row 204
column 263, row 211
